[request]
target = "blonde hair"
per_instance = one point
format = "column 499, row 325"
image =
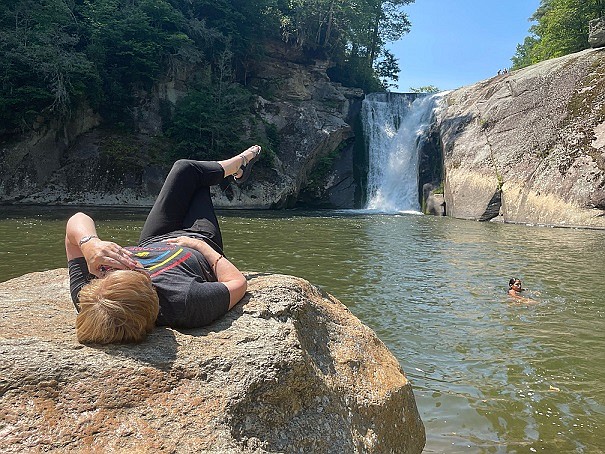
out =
column 120, row 308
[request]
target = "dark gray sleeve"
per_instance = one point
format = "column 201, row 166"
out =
column 206, row 302
column 78, row 278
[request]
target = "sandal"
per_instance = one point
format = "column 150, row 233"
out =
column 247, row 167
column 225, row 186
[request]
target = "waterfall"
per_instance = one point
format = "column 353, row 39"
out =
column 394, row 125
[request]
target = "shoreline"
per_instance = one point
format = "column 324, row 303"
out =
column 351, row 211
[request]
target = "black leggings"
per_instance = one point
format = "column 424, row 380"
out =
column 185, row 204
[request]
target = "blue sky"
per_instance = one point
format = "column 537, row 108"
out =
column 457, row 43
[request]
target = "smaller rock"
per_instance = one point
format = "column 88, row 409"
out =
column 597, row 200
column 596, row 32
column 434, row 203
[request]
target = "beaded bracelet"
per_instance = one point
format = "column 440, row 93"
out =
column 216, row 263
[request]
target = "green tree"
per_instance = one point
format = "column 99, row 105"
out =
column 209, row 121
column 109, row 54
column 130, row 43
column 388, row 70
column 425, row 89
column 389, row 23
column 352, row 34
column 523, row 56
column 561, row 28
column 43, row 70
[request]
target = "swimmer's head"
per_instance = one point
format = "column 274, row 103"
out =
column 514, row 284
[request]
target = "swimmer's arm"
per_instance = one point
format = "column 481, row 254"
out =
column 524, row 300
column 521, row 299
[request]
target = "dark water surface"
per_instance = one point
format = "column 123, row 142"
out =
column 490, row 376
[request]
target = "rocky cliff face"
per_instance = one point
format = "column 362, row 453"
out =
column 313, row 117
column 529, row 146
column 78, row 162
column 289, row 369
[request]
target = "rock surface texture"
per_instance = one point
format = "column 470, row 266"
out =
column 313, row 117
column 529, row 146
column 290, row 369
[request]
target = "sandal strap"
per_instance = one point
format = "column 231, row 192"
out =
column 245, row 162
column 242, row 167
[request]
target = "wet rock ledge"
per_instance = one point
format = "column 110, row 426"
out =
column 290, row 369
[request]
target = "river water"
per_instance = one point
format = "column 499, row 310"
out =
column 489, row 375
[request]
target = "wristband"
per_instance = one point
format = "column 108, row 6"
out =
column 86, row 239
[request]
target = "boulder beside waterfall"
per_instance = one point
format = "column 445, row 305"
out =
column 529, row 146
column 289, row 369
column 434, row 202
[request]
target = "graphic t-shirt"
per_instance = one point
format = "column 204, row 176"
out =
column 189, row 293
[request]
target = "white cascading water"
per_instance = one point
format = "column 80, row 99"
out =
column 393, row 125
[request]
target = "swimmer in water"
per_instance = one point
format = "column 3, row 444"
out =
column 515, row 288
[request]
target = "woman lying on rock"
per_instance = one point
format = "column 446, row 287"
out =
column 177, row 276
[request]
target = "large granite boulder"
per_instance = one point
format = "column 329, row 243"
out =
column 290, row 369
column 529, row 146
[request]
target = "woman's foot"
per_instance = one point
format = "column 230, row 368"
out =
column 248, row 158
column 235, row 168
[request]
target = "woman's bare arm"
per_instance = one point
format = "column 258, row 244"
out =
column 81, row 240
column 225, row 271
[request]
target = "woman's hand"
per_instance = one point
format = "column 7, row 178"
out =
column 102, row 256
column 189, row 242
column 199, row 245
column 223, row 269
column 81, row 240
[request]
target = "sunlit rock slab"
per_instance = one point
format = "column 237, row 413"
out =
column 538, row 134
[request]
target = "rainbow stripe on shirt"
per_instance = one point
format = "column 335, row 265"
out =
column 157, row 260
